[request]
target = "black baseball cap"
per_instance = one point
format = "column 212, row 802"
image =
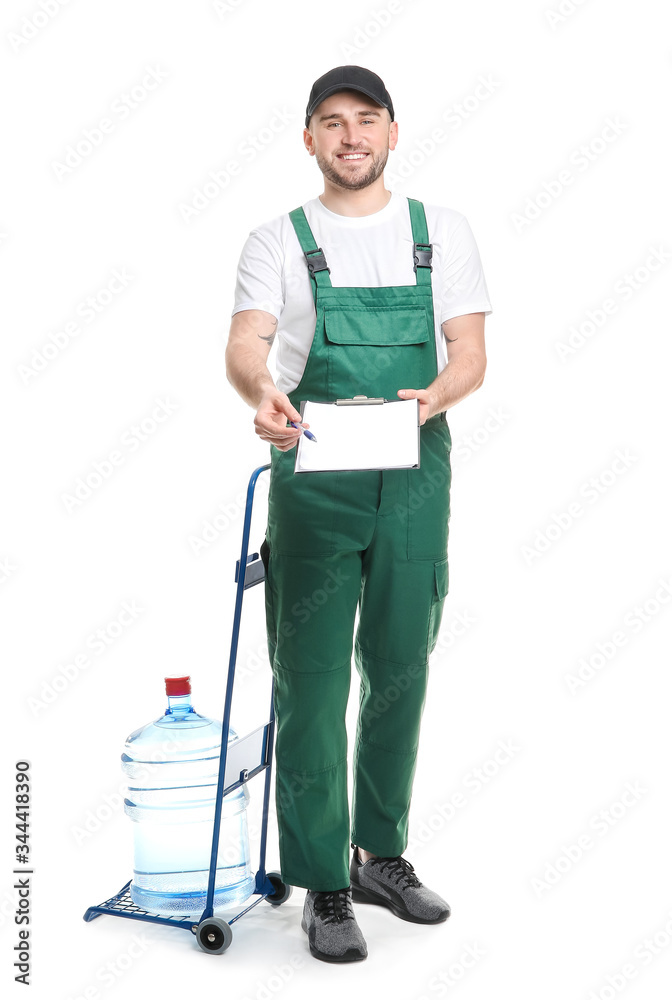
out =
column 349, row 78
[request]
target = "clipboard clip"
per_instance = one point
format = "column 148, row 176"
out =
column 358, row 400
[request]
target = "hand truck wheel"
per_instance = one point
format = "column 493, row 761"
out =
column 214, row 935
column 282, row 891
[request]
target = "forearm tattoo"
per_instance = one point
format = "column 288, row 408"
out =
column 269, row 338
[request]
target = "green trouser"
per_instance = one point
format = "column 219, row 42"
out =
column 341, row 542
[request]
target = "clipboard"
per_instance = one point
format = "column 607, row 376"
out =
column 360, row 434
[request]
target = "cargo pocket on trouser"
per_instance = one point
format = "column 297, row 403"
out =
column 436, row 611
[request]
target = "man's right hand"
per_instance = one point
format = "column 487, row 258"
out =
column 270, row 421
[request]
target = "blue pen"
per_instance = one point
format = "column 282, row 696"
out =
column 308, row 434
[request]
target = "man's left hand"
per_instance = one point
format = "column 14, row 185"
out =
column 425, row 399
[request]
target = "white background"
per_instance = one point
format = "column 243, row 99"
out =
column 534, row 588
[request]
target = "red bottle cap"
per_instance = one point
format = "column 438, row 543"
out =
column 176, row 686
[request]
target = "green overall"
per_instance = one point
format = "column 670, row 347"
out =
column 338, row 543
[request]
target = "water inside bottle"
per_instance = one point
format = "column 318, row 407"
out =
column 171, row 766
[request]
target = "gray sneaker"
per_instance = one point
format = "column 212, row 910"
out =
column 392, row 882
column 333, row 933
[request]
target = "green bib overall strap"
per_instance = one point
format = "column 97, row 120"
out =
column 317, row 264
column 422, row 250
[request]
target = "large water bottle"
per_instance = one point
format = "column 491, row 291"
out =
column 172, row 766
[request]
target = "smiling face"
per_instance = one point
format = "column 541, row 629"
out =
column 350, row 136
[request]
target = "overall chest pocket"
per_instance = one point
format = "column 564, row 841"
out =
column 374, row 352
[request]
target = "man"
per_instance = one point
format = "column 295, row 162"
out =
column 368, row 295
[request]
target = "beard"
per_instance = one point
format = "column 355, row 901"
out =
column 376, row 165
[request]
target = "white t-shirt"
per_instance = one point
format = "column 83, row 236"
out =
column 365, row 251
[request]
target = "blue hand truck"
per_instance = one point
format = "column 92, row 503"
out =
column 238, row 763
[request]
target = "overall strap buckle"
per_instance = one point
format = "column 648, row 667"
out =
column 422, row 256
column 316, row 260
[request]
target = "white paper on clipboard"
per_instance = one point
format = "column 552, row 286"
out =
column 360, row 434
